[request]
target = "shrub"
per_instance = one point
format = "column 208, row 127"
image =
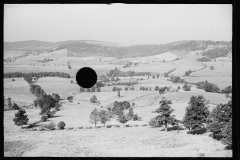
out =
column 51, row 125
column 153, row 122
column 61, row 125
column 227, row 135
column 187, row 73
column 156, row 88
column 44, row 118
column 15, row 107
column 136, row 118
column 186, row 87
column 20, row 118
column 227, row 90
column 122, row 118
column 13, row 79
column 211, row 68
column 93, row 99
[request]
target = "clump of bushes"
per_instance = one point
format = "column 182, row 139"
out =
column 187, row 73
column 93, row 99
column 135, row 117
column 44, row 118
column 20, row 118
column 116, row 89
column 61, row 125
column 154, row 123
column 186, row 87
column 51, row 125
column 208, row 87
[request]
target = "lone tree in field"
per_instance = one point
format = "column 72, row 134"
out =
column 20, row 118
column 93, row 99
column 196, row 113
column 104, row 116
column 165, row 111
column 94, row 117
column 118, row 93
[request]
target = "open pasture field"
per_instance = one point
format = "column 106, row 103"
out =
column 18, row 90
column 62, row 86
column 27, row 69
column 167, row 56
column 221, row 81
column 179, row 53
column 154, row 67
column 108, row 98
column 220, row 69
column 11, row 54
column 157, row 82
column 150, row 142
column 187, row 64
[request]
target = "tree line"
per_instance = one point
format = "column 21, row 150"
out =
column 38, row 75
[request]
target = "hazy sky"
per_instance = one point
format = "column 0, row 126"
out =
column 119, row 23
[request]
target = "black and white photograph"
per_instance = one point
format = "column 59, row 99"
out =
column 117, row 80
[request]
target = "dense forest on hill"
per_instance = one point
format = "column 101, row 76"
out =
column 81, row 48
column 216, row 52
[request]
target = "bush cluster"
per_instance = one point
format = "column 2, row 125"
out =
column 186, row 87
column 208, row 87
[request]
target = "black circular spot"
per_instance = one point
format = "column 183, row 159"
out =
column 86, row 77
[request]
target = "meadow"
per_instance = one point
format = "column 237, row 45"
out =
column 149, row 142
column 11, row 54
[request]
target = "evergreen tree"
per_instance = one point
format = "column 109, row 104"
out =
column 196, row 113
column 220, row 122
column 165, row 111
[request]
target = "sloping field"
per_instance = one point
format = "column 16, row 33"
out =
column 105, row 142
column 221, row 81
column 62, row 86
column 167, row 56
column 27, row 69
column 179, row 53
column 220, row 69
column 187, row 64
column 9, row 53
column 108, row 98
column 18, row 90
column 157, row 67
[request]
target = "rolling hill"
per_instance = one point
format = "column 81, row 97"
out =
column 80, row 48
